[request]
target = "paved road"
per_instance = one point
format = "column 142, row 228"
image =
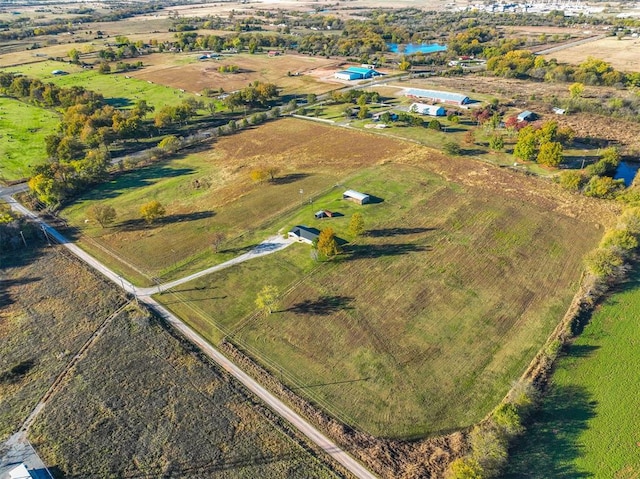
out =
column 564, row 46
column 12, row 190
column 278, row 406
column 17, row 449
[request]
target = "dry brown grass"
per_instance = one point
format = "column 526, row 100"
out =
column 171, row 70
column 624, row 55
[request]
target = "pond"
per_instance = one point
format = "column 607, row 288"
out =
column 415, row 48
column 627, row 171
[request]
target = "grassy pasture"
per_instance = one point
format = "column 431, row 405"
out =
column 23, row 128
column 588, row 425
column 423, row 324
column 186, row 72
column 623, row 55
column 39, row 328
column 118, row 90
column 211, row 191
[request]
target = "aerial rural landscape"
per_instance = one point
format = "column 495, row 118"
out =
column 318, row 239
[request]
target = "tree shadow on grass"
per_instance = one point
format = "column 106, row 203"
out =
column 290, row 178
column 138, row 178
column 385, row 232
column 5, row 297
column 139, row 223
column 550, row 443
column 352, row 252
column 323, row 306
column 118, row 102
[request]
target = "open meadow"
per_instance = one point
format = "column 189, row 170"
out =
column 118, row 89
column 293, row 74
column 587, row 426
column 23, row 128
column 623, row 55
column 140, row 402
column 421, row 325
column 211, row 191
column 143, row 403
column 40, row 329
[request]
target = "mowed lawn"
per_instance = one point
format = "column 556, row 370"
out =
column 23, row 128
column 212, row 191
column 117, row 89
column 588, row 425
column 422, row 324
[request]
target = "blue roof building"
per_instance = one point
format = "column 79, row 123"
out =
column 357, row 73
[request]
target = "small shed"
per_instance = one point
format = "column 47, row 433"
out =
column 273, row 53
column 527, row 116
column 378, row 115
column 59, row 72
column 323, row 214
column 356, row 197
column 559, row 111
column 20, row 472
column 304, row 234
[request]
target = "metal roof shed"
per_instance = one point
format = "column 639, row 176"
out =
column 356, row 196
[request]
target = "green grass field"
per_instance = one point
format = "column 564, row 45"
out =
column 118, row 90
column 23, row 128
column 212, row 191
column 588, row 424
column 421, row 326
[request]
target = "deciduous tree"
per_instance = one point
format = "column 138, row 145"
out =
column 356, row 225
column 267, row 299
column 103, row 214
column 151, row 211
column 550, row 154
column 327, row 244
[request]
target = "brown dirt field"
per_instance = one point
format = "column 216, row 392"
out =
column 171, row 70
column 624, row 55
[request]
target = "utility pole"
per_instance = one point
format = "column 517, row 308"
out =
column 44, row 230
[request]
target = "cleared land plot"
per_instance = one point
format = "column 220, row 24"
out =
column 623, row 55
column 196, row 75
column 212, row 191
column 23, row 128
column 422, row 324
column 142, row 404
column 118, row 90
column 40, row 329
column 588, row 426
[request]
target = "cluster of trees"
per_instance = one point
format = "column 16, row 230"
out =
column 596, row 180
column 490, row 439
column 46, row 95
column 228, row 68
column 179, row 114
column 542, row 144
column 524, row 64
column 257, row 94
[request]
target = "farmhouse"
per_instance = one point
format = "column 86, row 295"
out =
column 425, row 109
column 304, row 234
column 437, row 96
column 527, row 116
column 357, row 73
column 356, row 197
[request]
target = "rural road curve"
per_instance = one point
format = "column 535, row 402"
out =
column 328, row 446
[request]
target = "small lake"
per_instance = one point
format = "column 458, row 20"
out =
column 417, row 47
column 627, row 171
